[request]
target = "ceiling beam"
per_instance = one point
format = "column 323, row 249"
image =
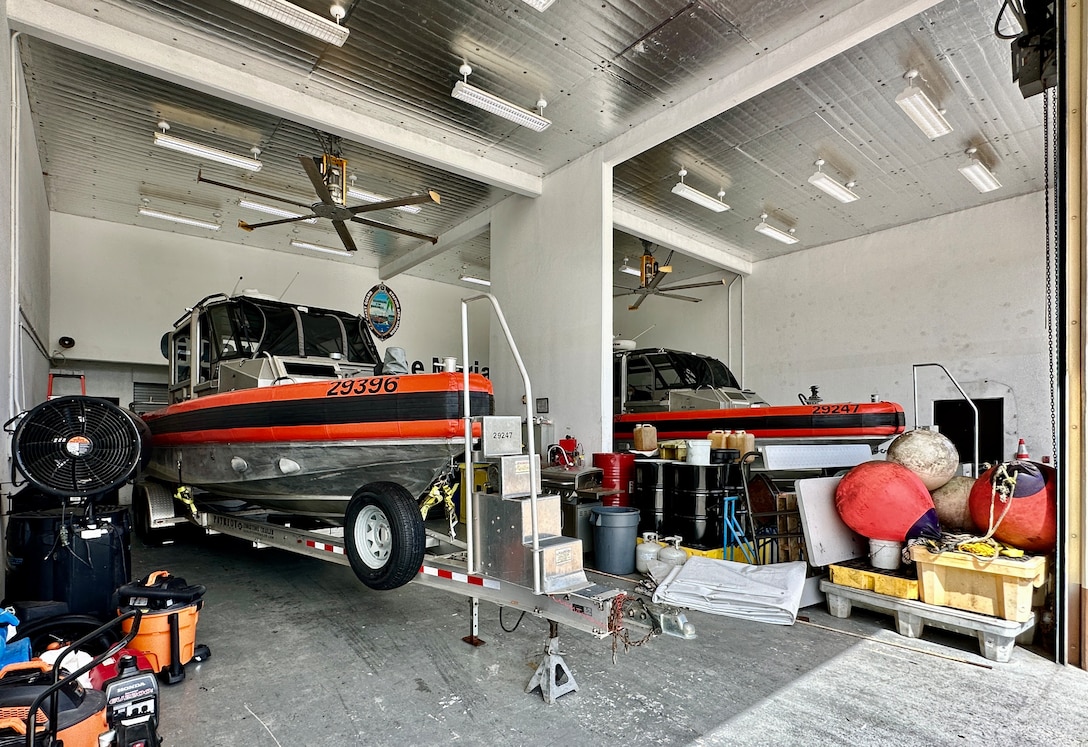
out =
column 630, row 219
column 836, row 34
column 280, row 98
column 447, row 240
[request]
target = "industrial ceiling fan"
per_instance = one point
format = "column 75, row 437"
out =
column 650, row 277
column 327, row 174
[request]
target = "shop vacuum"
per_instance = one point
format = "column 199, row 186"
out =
column 120, row 711
column 68, row 549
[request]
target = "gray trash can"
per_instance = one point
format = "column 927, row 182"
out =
column 614, row 531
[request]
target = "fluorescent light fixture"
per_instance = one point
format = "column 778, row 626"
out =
column 777, row 234
column 470, row 94
column 541, row 5
column 204, row 151
column 698, row 197
column 923, row 111
column 280, row 212
column 319, row 248
column 359, row 194
column 976, row 172
column 629, row 269
column 477, row 281
column 149, row 213
column 820, row 180
column 301, row 19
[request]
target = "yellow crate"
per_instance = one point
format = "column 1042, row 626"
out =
column 857, row 574
column 1001, row 587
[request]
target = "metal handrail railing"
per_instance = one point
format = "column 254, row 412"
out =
column 974, row 408
column 534, row 468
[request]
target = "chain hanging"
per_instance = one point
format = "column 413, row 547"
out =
column 1051, row 258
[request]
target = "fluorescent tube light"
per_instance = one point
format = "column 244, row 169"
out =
column 541, row 5
column 976, row 172
column 919, row 108
column 280, row 212
column 204, row 151
column 698, row 197
column 470, row 94
column 777, row 234
column 822, row 181
column 477, row 281
column 149, row 213
column 629, row 269
column 359, row 194
column 319, row 248
column 300, row 19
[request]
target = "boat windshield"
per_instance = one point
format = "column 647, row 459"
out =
column 671, row 369
column 244, row 328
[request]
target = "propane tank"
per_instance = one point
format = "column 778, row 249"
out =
column 646, row 551
column 672, row 555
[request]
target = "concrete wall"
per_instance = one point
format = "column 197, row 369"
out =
column 702, row 327
column 551, row 269
column 965, row 290
column 118, row 288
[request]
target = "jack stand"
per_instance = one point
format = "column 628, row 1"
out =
column 473, row 638
column 553, row 676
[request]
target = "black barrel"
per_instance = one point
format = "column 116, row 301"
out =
column 648, row 495
column 694, row 501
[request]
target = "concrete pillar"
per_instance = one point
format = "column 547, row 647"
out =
column 556, row 250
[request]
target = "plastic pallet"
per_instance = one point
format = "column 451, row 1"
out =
column 996, row 637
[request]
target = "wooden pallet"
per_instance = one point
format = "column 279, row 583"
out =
column 996, row 637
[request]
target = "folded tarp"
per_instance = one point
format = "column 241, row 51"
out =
column 765, row 593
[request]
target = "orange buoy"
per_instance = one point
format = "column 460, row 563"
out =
column 1029, row 519
column 886, row 501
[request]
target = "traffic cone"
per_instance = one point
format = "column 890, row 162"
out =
column 1021, row 450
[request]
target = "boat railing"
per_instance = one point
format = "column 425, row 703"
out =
column 534, row 466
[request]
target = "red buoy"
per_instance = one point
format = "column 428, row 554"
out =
column 886, row 501
column 1031, row 520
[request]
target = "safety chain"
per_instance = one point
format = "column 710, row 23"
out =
column 1051, row 232
column 618, row 632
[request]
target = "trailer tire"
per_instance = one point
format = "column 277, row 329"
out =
column 384, row 535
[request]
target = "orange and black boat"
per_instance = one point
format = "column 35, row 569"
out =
column 688, row 395
column 290, row 407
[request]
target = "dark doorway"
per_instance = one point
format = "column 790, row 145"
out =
column 955, row 419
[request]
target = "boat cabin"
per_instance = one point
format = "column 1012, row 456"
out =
column 251, row 341
column 660, row 380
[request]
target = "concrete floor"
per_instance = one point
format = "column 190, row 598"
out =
column 303, row 654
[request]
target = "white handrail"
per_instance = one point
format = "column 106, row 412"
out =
column 534, row 468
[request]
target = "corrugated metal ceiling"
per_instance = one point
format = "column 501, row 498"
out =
column 604, row 67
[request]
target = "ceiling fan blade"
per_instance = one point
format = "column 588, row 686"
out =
column 250, row 226
column 345, row 237
column 395, row 229
column 693, row 285
column 636, row 304
column 399, row 202
column 314, row 173
column 679, row 297
column 200, row 178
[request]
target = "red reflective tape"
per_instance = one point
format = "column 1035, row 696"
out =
column 476, row 580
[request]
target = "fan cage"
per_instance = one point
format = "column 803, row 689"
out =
column 111, row 441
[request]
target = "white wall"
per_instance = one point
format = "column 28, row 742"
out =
column 117, row 288
column 551, row 270
column 965, row 290
column 702, row 327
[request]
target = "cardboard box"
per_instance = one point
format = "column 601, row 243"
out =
column 1001, row 587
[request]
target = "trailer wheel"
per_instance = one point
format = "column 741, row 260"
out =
column 384, row 536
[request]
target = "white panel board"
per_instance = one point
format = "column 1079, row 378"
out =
column 827, row 539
